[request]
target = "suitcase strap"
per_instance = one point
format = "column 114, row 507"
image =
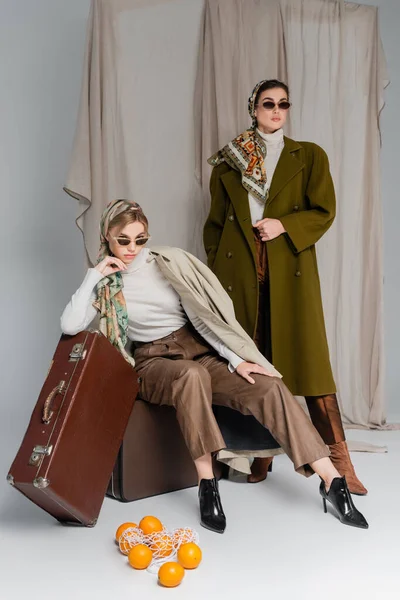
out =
column 47, row 412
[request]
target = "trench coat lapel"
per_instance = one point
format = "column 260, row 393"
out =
column 239, row 198
column 288, row 166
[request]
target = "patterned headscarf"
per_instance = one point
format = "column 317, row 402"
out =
column 110, row 301
column 246, row 153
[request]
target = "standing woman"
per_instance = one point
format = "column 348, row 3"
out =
column 272, row 199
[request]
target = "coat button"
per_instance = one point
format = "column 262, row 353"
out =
column 295, row 208
column 229, row 288
column 298, row 273
column 229, row 255
column 231, row 218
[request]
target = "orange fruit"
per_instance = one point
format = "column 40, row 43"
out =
column 140, row 556
column 129, row 539
column 162, row 544
column 150, row 525
column 127, row 543
column 189, row 556
column 123, row 528
column 125, row 546
column 171, row 574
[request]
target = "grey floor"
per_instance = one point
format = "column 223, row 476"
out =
column 279, row 544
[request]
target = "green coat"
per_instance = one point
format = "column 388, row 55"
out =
column 302, row 197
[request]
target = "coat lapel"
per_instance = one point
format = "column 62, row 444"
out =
column 288, row 166
column 239, row 198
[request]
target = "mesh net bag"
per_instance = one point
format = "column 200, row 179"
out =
column 163, row 544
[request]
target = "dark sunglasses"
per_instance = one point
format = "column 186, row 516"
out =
column 124, row 241
column 269, row 105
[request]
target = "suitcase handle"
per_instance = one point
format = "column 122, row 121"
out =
column 47, row 412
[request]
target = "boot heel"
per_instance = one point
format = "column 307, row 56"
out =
column 260, row 469
column 324, row 503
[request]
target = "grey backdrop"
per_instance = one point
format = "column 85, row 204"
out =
column 41, row 54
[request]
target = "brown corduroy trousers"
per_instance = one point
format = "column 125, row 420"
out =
column 183, row 371
column 324, row 410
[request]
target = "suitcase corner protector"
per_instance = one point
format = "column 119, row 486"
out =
column 41, row 483
column 10, row 479
column 92, row 523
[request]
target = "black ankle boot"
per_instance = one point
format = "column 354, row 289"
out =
column 341, row 500
column 211, row 511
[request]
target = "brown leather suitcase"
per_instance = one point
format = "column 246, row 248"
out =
column 76, row 429
column 153, row 458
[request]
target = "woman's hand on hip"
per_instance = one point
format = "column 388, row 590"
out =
column 269, row 229
column 110, row 265
column 245, row 368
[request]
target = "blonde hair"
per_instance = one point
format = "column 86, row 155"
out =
column 132, row 214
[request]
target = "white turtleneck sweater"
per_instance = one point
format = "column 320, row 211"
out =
column 274, row 143
column 154, row 308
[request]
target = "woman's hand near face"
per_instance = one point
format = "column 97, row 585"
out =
column 110, row 265
column 269, row 229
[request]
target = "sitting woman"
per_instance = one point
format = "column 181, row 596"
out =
column 190, row 353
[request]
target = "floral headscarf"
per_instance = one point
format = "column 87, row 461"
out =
column 246, row 153
column 110, row 301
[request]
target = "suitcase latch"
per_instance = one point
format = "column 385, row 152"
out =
column 38, row 453
column 77, row 353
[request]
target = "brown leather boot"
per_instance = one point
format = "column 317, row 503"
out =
column 342, row 462
column 325, row 415
column 259, row 469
